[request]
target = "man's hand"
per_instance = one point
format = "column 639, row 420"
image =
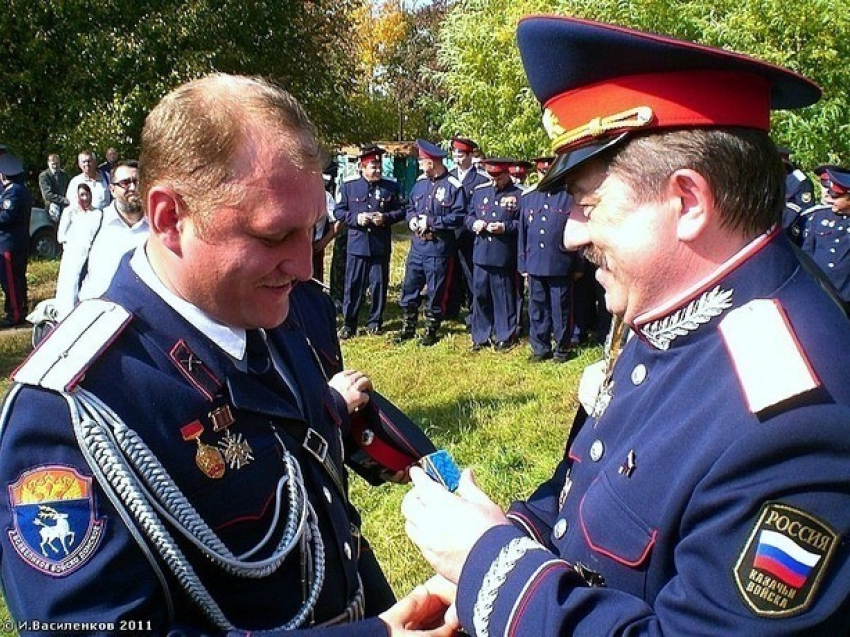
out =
column 478, row 225
column 496, row 227
column 427, row 507
column 352, row 385
column 428, row 610
column 362, row 218
column 378, row 218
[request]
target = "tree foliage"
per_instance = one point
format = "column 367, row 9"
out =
column 397, row 96
column 490, row 99
column 84, row 74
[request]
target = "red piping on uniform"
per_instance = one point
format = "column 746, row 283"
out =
column 247, row 518
column 444, row 301
column 614, row 556
column 188, row 376
column 529, row 592
column 525, row 521
column 13, row 292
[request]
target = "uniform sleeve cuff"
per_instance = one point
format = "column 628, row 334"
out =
column 498, row 575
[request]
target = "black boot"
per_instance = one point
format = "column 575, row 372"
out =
column 408, row 327
column 430, row 336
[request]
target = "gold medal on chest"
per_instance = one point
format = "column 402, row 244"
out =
column 209, row 459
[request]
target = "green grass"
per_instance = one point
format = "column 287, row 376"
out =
column 505, row 418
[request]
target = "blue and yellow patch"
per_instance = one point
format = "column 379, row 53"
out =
column 55, row 527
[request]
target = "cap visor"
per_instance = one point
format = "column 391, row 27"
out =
column 564, row 164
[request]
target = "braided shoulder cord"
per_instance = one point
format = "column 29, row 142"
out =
column 93, row 421
column 172, row 504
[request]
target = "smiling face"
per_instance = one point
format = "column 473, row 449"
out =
column 633, row 245
column 239, row 261
column 372, row 170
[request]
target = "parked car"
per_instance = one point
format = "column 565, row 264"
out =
column 43, row 243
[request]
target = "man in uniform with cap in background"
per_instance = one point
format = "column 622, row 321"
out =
column 368, row 205
column 493, row 218
column 547, row 268
column 15, row 211
column 460, row 292
column 799, row 195
column 704, row 487
column 435, row 211
column 519, row 172
column 828, row 238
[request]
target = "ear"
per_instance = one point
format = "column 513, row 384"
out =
column 166, row 212
column 690, row 191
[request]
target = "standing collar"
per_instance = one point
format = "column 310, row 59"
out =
column 708, row 298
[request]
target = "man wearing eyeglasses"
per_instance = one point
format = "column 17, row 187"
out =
column 95, row 245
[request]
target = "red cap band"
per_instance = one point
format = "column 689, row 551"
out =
column 682, row 99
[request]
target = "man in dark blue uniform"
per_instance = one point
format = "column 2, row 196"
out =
column 434, row 213
column 368, row 205
column 470, row 177
column 828, row 238
column 704, row 487
column 493, row 218
column 799, row 195
column 15, row 210
column 519, row 172
column 547, row 268
column 172, row 452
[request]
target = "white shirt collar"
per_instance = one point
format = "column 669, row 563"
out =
column 229, row 339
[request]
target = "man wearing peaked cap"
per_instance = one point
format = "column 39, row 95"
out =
column 460, row 292
column 434, row 212
column 704, row 488
column 547, row 268
column 493, row 218
column 799, row 195
column 368, row 205
column 828, row 238
column 824, row 182
column 15, row 211
column 519, row 171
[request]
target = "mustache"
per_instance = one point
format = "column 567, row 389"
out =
column 594, row 255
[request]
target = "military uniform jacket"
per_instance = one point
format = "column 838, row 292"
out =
column 490, row 205
column 443, row 203
column 168, row 383
column 711, row 496
column 359, row 195
column 828, row 243
column 543, row 216
column 471, row 180
column 15, row 211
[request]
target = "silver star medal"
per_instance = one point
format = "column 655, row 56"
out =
column 237, row 451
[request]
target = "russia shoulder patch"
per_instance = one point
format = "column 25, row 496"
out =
column 783, row 561
column 55, row 528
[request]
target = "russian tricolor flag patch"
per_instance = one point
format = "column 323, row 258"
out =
column 783, row 561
